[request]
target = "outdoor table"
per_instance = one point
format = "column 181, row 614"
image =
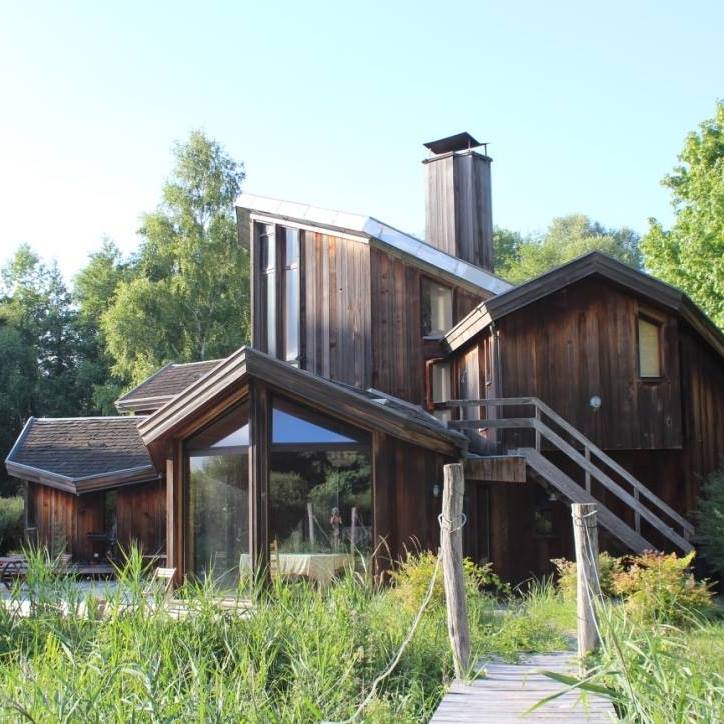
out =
column 318, row 567
column 12, row 568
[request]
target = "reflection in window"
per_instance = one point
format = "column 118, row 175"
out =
column 649, row 348
column 320, row 486
column 291, row 295
column 218, row 498
column 267, row 244
column 436, row 309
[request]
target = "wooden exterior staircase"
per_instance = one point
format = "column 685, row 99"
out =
column 559, row 435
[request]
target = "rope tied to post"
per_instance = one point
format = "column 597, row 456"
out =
column 450, row 525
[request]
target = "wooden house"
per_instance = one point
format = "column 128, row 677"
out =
column 377, row 357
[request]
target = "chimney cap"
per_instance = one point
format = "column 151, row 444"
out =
column 459, row 142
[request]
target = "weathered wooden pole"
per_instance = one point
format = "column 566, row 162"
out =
column 588, row 590
column 310, row 518
column 451, row 551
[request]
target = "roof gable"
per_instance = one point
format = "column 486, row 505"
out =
column 79, row 454
column 367, row 409
column 369, row 229
column 593, row 263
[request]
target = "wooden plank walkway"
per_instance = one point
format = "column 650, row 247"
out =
column 509, row 690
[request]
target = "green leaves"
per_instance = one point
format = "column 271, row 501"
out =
column 521, row 258
column 690, row 255
column 186, row 297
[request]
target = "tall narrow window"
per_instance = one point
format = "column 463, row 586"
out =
column 436, row 308
column 267, row 244
column 649, row 348
column 291, row 295
column 442, row 388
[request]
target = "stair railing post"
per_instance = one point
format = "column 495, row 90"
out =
column 587, row 452
column 452, row 520
column 588, row 590
column 537, row 431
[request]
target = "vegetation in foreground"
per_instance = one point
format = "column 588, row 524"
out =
column 309, row 655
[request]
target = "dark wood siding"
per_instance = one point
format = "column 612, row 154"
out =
column 581, row 342
column 64, row 520
column 336, row 335
column 141, row 516
column 405, row 508
column 398, row 349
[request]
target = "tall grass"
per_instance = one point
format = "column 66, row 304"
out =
column 302, row 655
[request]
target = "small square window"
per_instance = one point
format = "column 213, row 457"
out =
column 649, row 349
column 436, row 309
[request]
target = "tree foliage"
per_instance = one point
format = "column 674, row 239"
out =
column 187, row 298
column 519, row 258
column 690, row 255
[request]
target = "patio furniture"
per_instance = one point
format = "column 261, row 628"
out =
column 12, row 568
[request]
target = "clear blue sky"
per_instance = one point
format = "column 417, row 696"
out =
column 585, row 105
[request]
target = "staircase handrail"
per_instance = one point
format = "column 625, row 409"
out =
column 587, row 444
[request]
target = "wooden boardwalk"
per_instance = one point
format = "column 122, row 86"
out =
column 507, row 691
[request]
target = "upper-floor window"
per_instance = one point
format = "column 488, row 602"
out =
column 279, row 304
column 649, row 333
column 437, row 313
column 441, row 378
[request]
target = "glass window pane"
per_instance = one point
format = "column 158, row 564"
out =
column 218, row 516
column 217, row 520
column 291, row 425
column 442, row 388
column 436, row 308
column 271, row 313
column 291, row 315
column 649, row 349
column 291, row 250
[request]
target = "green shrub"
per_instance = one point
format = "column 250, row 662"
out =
column 653, row 586
column 412, row 579
column 608, row 568
column 11, row 523
column 659, row 587
column 711, row 521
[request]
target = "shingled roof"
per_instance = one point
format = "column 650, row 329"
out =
column 165, row 384
column 80, row 454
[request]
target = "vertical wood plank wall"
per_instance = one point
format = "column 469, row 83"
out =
column 398, row 348
column 405, row 508
column 62, row 516
column 581, row 342
column 336, row 327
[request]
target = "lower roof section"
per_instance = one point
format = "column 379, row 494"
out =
column 81, row 454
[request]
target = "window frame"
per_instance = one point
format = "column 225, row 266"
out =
column 428, row 280
column 658, row 322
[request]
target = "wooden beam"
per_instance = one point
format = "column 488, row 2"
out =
column 259, row 444
column 496, row 469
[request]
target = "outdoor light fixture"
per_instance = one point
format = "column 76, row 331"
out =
column 436, row 491
column 595, row 402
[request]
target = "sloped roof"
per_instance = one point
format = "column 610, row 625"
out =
column 371, row 409
column 161, row 386
column 593, row 263
column 370, row 229
column 80, row 454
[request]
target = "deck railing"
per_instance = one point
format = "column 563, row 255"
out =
column 588, row 456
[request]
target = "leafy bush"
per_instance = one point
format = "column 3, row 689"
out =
column 711, row 521
column 412, row 579
column 608, row 568
column 660, row 587
column 654, row 586
column 11, row 523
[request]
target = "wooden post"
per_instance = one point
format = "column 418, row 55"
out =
column 353, row 530
column 451, row 551
column 588, row 591
column 310, row 518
